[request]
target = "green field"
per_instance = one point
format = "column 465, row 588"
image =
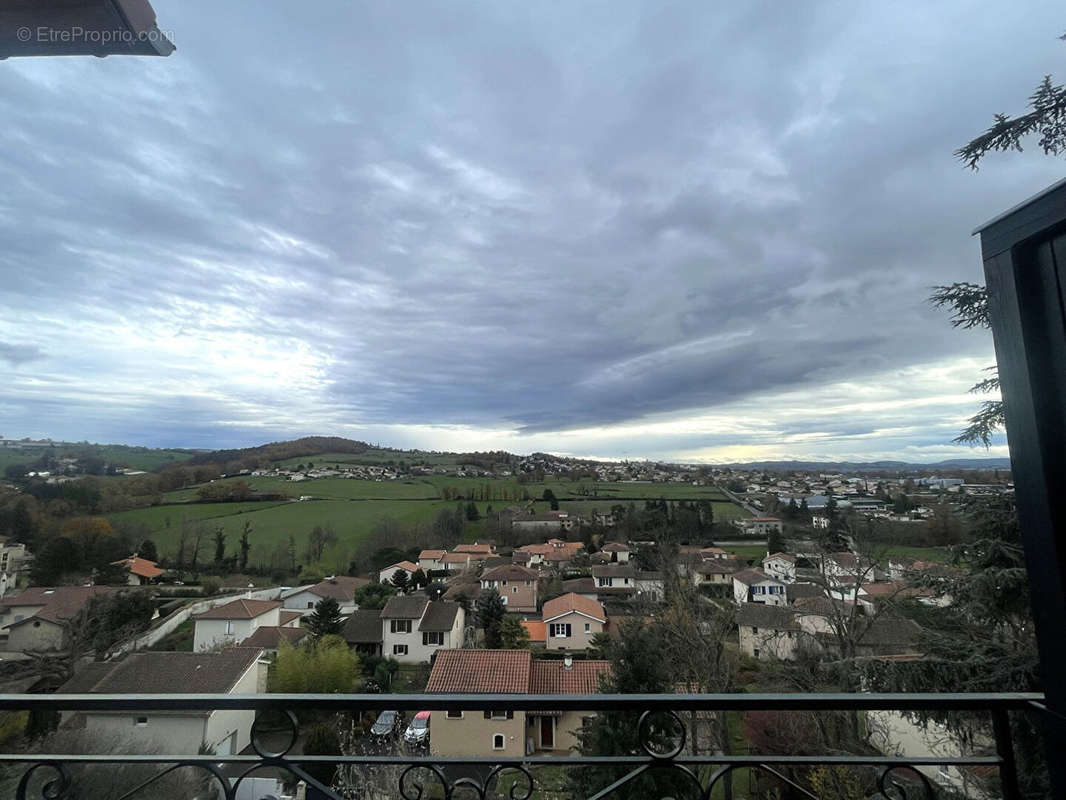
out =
column 140, row 458
column 940, row 555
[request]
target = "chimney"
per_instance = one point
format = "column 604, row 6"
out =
column 568, row 662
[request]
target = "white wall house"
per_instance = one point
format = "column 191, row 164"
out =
column 572, row 620
column 614, row 576
column 234, row 622
column 388, row 573
column 781, row 566
column 413, row 628
column 234, row 671
column 755, row 586
column 341, row 588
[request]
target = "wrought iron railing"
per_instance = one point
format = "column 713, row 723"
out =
column 53, row 776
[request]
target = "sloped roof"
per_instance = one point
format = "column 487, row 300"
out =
column 474, row 549
column 434, row 555
column 362, row 627
column 140, row 566
column 511, row 672
column 285, row 617
column 571, row 602
column 750, row 576
column 404, row 565
column 270, row 636
column 480, row 671
column 759, row 615
column 537, row 630
column 799, row 590
column 342, row 587
column 718, row 566
column 242, row 608
column 550, row 676
column 614, row 571
column 57, row 603
column 440, row 616
column 615, row 547
column 782, row 556
column 509, row 572
column 405, row 606
column 168, row 673
column 580, row 585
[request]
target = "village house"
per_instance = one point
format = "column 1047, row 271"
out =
column 768, row 632
column 555, row 553
column 616, row 552
column 413, row 627
column 479, row 550
column 781, row 566
column 458, row 562
column 431, row 559
column 715, row 571
column 586, row 587
column 548, row 522
column 35, row 619
column 363, row 631
column 760, row 526
column 139, row 571
column 755, row 586
column 572, row 620
column 516, row 584
column 389, row 573
column 504, row 732
column 614, row 576
column 237, row 670
column 233, row 622
column 268, row 638
column 341, row 588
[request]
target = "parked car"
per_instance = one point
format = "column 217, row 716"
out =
column 417, row 733
column 386, row 726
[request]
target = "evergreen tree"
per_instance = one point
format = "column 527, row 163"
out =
column 245, row 545
column 472, row 512
column 400, row 579
column 513, row 634
column 418, row 579
column 490, row 614
column 148, row 551
column 326, row 619
column 220, row 545
column 775, row 542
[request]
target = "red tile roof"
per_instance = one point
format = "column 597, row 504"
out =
column 537, row 630
column 285, row 617
column 573, row 602
column 550, row 676
column 511, row 672
column 341, row 588
column 406, row 565
column 140, row 566
column 436, row 555
column 480, row 671
column 59, row 603
column 239, row 609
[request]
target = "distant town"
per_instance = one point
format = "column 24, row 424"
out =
column 132, row 570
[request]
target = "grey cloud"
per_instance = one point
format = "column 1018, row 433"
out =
column 524, row 217
column 16, row 354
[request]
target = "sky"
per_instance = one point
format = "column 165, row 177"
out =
column 679, row 231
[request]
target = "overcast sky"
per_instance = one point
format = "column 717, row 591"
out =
column 693, row 231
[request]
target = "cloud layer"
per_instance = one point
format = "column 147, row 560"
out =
column 641, row 229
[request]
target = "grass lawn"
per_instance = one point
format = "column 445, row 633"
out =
column 938, row 554
column 746, row 552
column 410, row 679
column 180, row 639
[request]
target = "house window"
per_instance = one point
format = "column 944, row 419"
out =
column 400, row 625
column 559, row 630
column 754, row 630
column 140, row 722
column 498, row 741
column 755, row 652
column 588, row 627
column 229, row 627
column 399, row 649
column 453, row 714
column 514, row 590
column 497, row 714
column 435, row 638
column 310, row 604
column 604, row 581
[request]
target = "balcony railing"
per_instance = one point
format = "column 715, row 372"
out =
column 53, row 776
